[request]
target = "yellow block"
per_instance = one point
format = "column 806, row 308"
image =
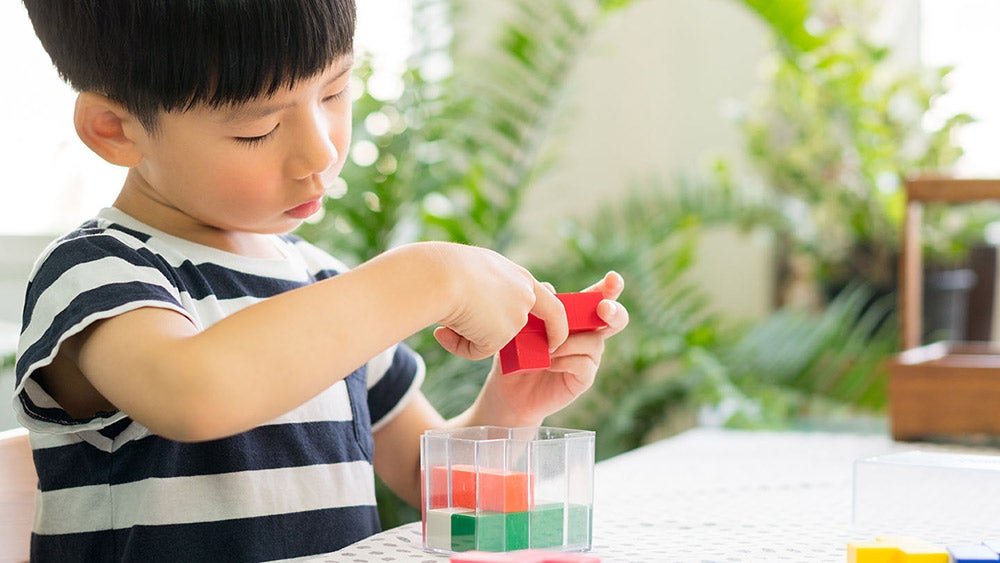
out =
column 916, row 550
column 923, row 553
column 896, row 550
column 872, row 552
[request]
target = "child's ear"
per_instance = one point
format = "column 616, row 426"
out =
column 107, row 128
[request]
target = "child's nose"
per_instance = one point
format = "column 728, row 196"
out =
column 315, row 151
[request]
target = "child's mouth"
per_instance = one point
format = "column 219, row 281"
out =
column 305, row 210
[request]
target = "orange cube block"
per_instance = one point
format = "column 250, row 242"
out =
column 505, row 491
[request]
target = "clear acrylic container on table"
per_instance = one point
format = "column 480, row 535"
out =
column 491, row 488
column 934, row 495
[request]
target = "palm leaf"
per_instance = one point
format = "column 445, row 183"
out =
column 788, row 21
column 833, row 357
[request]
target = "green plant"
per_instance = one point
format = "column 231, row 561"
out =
column 798, row 364
column 678, row 360
column 645, row 381
column 840, row 124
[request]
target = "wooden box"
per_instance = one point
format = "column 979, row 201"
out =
column 945, row 390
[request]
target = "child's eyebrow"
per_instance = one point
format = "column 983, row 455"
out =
column 252, row 111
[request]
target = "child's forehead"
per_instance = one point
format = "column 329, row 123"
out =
column 266, row 104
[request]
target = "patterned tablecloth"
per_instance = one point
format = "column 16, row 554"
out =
column 711, row 495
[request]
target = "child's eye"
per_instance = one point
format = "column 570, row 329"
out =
column 336, row 96
column 255, row 140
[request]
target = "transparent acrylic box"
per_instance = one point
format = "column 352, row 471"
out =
column 491, row 488
column 927, row 494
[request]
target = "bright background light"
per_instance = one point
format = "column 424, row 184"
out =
column 963, row 34
column 51, row 181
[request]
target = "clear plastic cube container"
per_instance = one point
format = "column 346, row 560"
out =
column 932, row 495
column 491, row 488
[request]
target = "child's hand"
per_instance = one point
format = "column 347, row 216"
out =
column 493, row 298
column 525, row 399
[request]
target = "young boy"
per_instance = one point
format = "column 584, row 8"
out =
column 201, row 385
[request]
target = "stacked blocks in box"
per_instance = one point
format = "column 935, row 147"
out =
column 498, row 489
column 529, row 350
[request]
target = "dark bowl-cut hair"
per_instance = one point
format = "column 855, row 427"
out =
column 170, row 55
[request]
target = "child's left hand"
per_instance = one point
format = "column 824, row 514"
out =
column 525, row 399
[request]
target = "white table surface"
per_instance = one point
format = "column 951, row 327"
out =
column 712, row 495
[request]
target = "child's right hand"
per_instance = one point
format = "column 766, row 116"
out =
column 492, row 297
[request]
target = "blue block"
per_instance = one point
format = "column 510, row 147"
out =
column 972, row 554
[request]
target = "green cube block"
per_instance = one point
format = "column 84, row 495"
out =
column 546, row 526
column 580, row 525
column 517, row 531
column 489, row 531
column 556, row 525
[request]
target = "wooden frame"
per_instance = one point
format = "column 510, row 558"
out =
column 947, row 389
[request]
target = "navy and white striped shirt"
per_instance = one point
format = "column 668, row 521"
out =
column 109, row 490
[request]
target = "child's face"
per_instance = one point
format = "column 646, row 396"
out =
column 258, row 167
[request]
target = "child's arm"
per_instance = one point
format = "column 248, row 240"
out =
column 524, row 399
column 273, row 356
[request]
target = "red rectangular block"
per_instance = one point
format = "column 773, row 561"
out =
column 581, row 310
column 529, row 349
column 463, row 486
column 495, row 490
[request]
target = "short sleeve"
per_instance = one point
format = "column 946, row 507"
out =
column 83, row 278
column 394, row 377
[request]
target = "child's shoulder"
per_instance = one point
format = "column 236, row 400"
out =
column 96, row 237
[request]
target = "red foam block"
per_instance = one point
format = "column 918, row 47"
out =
column 529, row 349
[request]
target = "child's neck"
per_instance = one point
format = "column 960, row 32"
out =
column 175, row 222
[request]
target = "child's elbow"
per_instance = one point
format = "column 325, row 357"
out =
column 196, row 407
column 196, row 425
column 191, row 416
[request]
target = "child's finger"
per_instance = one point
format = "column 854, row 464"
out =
column 455, row 344
column 611, row 285
column 550, row 310
column 613, row 313
column 590, row 344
